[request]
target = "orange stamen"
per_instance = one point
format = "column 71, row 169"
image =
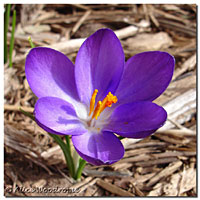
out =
column 92, row 101
column 107, row 102
column 97, row 110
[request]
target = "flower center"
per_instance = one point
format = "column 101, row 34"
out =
column 101, row 105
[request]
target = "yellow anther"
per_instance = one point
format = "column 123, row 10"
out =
column 111, row 99
column 92, row 101
column 107, row 102
column 97, row 110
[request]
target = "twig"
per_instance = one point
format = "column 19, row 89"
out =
column 156, row 162
column 127, row 32
column 141, row 145
column 135, row 159
column 16, row 108
column 180, row 108
column 151, row 15
column 172, row 140
column 164, row 173
column 79, row 184
column 189, row 64
column 81, row 6
column 65, row 176
column 80, row 21
column 169, row 16
column 168, row 154
column 114, row 189
column 90, row 172
column 24, row 143
column 154, row 19
column 176, row 124
column 178, row 27
column 143, row 178
column 87, row 185
column 73, row 45
column 177, row 132
column 138, row 191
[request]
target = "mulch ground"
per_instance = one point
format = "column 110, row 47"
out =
column 163, row 164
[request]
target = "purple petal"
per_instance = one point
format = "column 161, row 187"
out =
column 57, row 116
column 99, row 65
column 136, row 120
column 50, row 73
column 146, row 76
column 98, row 148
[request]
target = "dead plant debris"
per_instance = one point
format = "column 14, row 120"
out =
column 163, row 164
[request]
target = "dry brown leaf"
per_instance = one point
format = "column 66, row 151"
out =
column 171, row 188
column 11, row 82
column 188, row 180
column 149, row 42
column 157, row 190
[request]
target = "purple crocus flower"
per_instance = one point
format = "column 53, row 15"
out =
column 100, row 96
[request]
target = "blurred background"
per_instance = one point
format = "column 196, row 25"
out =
column 163, row 164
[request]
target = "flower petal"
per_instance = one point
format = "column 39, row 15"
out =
column 50, row 73
column 57, row 116
column 136, row 120
column 98, row 148
column 99, row 65
column 146, row 76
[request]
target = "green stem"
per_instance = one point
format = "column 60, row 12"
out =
column 65, row 148
column 82, row 164
column 12, row 38
column 27, row 114
column 6, row 24
column 76, row 159
column 67, row 155
column 31, row 42
column 68, row 143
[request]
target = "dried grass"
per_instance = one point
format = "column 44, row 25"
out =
column 160, row 165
